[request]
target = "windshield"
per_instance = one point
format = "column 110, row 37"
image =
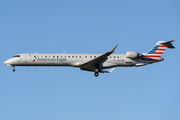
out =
column 16, row 56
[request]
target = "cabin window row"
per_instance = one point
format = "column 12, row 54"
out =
column 75, row 56
column 58, row 56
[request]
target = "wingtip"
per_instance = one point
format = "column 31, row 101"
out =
column 114, row 48
column 112, row 69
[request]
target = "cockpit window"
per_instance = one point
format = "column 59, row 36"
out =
column 16, row 56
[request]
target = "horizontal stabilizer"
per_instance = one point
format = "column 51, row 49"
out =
column 170, row 46
column 168, row 43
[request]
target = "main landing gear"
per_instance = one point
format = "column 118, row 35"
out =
column 96, row 72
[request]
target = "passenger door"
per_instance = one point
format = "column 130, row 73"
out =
column 25, row 58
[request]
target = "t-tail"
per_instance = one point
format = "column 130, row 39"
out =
column 156, row 52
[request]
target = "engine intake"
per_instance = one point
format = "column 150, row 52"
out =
column 133, row 55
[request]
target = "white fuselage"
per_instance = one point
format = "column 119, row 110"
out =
column 93, row 62
column 75, row 60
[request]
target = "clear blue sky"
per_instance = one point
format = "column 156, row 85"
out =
column 96, row 26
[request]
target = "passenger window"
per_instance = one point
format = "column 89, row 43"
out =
column 69, row 56
column 72, row 56
column 114, row 56
column 79, row 56
column 45, row 56
column 85, row 56
column 76, row 56
column 94, row 56
column 90, row 56
column 117, row 56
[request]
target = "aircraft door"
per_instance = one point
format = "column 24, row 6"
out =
column 25, row 58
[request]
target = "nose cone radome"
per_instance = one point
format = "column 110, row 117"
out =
column 8, row 62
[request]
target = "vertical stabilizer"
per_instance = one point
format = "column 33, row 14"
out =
column 156, row 52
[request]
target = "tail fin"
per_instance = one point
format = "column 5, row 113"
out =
column 156, row 52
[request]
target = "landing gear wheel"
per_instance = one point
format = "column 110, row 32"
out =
column 13, row 70
column 96, row 74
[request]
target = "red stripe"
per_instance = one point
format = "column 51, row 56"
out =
column 162, row 46
column 161, row 49
column 152, row 56
column 158, row 53
column 150, row 59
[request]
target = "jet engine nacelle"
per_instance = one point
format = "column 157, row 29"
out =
column 133, row 55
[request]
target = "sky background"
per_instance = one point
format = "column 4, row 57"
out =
column 150, row 92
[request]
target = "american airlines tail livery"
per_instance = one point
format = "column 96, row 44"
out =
column 92, row 62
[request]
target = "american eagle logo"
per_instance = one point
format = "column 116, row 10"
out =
column 34, row 59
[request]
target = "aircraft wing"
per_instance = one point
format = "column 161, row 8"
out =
column 97, row 62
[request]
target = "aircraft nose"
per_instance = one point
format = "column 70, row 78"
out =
column 5, row 62
column 8, row 62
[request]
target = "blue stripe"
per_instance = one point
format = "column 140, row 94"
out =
column 156, row 46
column 150, row 52
column 153, row 50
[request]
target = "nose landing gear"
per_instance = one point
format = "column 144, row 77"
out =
column 13, row 69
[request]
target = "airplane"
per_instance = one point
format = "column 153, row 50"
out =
column 96, row 63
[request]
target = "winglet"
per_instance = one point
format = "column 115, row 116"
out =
column 114, row 49
column 111, row 70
